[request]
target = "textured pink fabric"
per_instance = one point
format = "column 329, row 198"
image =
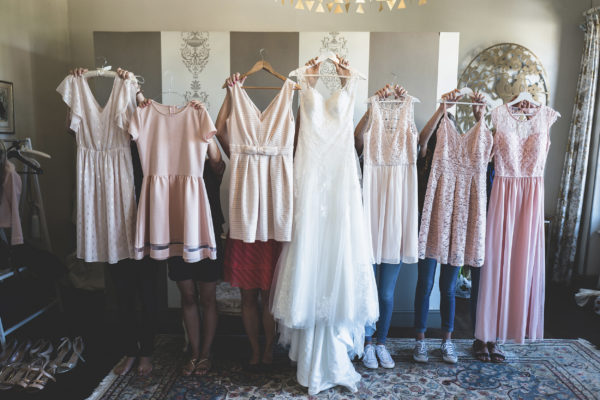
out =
column 174, row 217
column 9, row 204
column 511, row 290
column 453, row 219
column 261, row 164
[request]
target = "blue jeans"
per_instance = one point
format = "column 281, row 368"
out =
column 386, row 283
column 448, row 277
column 475, row 274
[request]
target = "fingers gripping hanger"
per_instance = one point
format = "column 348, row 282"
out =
column 523, row 96
column 466, row 91
column 263, row 65
column 393, row 85
column 333, row 58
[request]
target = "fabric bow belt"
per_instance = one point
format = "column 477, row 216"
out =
column 261, row 150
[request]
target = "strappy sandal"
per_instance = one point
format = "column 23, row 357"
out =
column 77, row 348
column 202, row 367
column 189, row 368
column 481, row 351
column 33, row 371
column 11, row 375
column 46, row 373
column 496, row 352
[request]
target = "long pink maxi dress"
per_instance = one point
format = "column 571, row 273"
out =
column 511, row 290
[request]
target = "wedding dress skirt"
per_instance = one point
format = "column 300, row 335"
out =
column 324, row 290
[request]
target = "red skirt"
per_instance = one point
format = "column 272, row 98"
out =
column 250, row 265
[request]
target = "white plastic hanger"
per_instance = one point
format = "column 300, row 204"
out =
column 106, row 71
column 524, row 96
column 333, row 58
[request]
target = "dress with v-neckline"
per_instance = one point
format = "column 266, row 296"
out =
column 261, row 144
column 324, row 290
column 106, row 209
column 454, row 211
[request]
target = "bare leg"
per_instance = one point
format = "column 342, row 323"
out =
column 208, row 294
column 191, row 318
column 269, row 326
column 250, row 318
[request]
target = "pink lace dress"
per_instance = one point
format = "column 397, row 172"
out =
column 511, row 289
column 453, row 219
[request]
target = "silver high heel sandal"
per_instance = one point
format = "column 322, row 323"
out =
column 13, row 376
column 46, row 373
column 77, row 348
column 42, row 348
column 7, row 351
column 33, row 370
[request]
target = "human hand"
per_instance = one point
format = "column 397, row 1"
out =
column 234, row 78
column 478, row 109
column 342, row 68
column 451, row 97
column 312, row 70
column 79, row 71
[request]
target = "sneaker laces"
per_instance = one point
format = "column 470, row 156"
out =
column 448, row 348
column 369, row 351
column 384, row 354
column 421, row 347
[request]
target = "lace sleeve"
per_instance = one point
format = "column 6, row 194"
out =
column 126, row 103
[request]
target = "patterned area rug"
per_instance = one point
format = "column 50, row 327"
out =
column 552, row 369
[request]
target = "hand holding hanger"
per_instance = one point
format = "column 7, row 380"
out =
column 478, row 100
column 312, row 70
column 234, row 78
column 450, row 98
column 388, row 90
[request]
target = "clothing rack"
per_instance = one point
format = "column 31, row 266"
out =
column 43, row 243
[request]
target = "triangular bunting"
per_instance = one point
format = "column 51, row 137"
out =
column 309, row 4
column 320, row 8
column 299, row 5
column 330, row 6
column 391, row 4
column 402, row 4
column 422, row 2
column 360, row 9
column 338, row 9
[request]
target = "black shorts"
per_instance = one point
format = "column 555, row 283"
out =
column 206, row 270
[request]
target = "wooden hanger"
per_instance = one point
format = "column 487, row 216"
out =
column 263, row 65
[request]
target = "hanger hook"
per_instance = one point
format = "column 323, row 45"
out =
column 262, row 54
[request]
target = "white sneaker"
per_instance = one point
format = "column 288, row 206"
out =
column 369, row 359
column 420, row 352
column 449, row 352
column 384, row 356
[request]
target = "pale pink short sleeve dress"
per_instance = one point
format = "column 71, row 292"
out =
column 511, row 289
column 174, row 217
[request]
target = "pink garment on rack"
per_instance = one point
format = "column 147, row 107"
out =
column 174, row 217
column 9, row 204
column 511, row 290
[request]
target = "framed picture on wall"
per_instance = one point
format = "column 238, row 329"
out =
column 7, row 109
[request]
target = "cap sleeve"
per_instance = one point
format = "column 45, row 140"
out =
column 135, row 124
column 71, row 95
column 206, row 126
column 126, row 103
column 551, row 116
column 494, row 116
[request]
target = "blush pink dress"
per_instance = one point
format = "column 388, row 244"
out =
column 511, row 289
column 390, row 181
column 174, row 217
column 453, row 219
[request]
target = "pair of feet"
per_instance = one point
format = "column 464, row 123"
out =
column 490, row 351
column 144, row 367
column 374, row 352
column 197, row 366
column 420, row 352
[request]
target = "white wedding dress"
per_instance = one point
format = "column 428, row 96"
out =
column 324, row 290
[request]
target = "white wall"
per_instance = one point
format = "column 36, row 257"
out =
column 34, row 55
column 548, row 27
column 35, row 36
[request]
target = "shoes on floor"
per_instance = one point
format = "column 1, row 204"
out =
column 449, row 352
column 370, row 359
column 385, row 359
column 420, row 352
